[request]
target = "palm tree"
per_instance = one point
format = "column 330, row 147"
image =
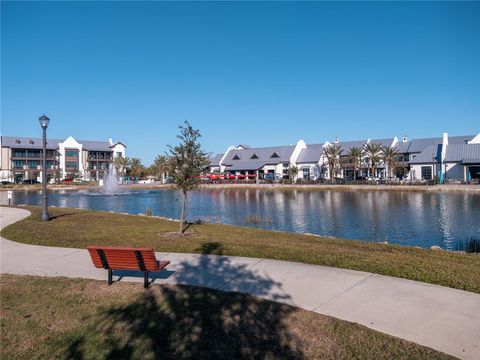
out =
column 355, row 155
column 159, row 167
column 389, row 155
column 373, row 153
column 292, row 172
column 121, row 165
column 332, row 153
column 136, row 167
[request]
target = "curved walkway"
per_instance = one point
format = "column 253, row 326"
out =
column 444, row 319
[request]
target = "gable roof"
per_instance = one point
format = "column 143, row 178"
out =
column 26, row 142
column 264, row 157
column 311, row 154
column 419, row 145
column 460, row 139
column 428, row 155
column 466, row 153
column 16, row 142
column 347, row 145
column 402, row 147
column 215, row 161
column 95, row 145
column 382, row 142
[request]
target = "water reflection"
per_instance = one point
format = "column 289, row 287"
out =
column 406, row 218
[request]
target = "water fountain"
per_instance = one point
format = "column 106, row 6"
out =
column 110, row 182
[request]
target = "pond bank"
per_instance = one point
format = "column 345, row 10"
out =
column 313, row 187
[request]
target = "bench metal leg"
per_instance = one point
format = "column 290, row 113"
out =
column 145, row 279
column 110, row 277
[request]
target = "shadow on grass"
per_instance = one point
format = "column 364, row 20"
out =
column 185, row 322
column 58, row 216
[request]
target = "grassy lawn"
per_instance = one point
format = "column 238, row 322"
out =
column 77, row 228
column 57, row 318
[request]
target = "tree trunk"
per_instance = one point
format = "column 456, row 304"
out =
column 355, row 173
column 182, row 213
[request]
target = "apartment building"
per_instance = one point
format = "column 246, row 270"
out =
column 21, row 158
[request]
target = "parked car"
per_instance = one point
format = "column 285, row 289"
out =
column 7, row 183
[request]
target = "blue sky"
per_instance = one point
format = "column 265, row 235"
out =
column 256, row 73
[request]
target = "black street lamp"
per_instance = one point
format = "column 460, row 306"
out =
column 44, row 124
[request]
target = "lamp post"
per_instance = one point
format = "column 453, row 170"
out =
column 44, row 124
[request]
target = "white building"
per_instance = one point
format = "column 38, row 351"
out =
column 21, row 158
column 448, row 158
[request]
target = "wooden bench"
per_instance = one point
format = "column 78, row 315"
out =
column 125, row 258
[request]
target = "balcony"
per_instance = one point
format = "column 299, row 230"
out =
column 32, row 155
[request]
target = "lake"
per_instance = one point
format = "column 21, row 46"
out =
column 406, row 218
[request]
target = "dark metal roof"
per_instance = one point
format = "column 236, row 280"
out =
column 463, row 153
column 247, row 165
column 28, row 143
column 427, row 156
column 311, row 154
column 95, row 145
column 419, row 145
column 36, row 143
column 347, row 145
column 382, row 142
column 215, row 161
column 264, row 155
column 402, row 147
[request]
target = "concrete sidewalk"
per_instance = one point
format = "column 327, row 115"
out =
column 444, row 319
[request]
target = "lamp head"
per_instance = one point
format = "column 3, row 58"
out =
column 43, row 120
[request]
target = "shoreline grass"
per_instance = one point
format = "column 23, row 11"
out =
column 53, row 318
column 78, row 228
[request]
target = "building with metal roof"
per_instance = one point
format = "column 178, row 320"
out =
column 453, row 158
column 22, row 158
column 414, row 157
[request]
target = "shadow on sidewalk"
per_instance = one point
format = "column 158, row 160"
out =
column 185, row 322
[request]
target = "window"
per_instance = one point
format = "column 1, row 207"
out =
column 426, row 173
column 50, row 163
column 19, row 153
column 71, row 165
column 254, row 156
column 32, row 164
column 17, row 141
column 236, row 157
column 31, row 142
column 18, row 164
column 118, row 154
column 71, row 153
column 275, row 155
column 306, row 174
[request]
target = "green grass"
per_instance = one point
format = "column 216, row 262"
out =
column 79, row 228
column 58, row 318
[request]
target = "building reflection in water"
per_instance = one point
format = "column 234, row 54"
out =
column 407, row 218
